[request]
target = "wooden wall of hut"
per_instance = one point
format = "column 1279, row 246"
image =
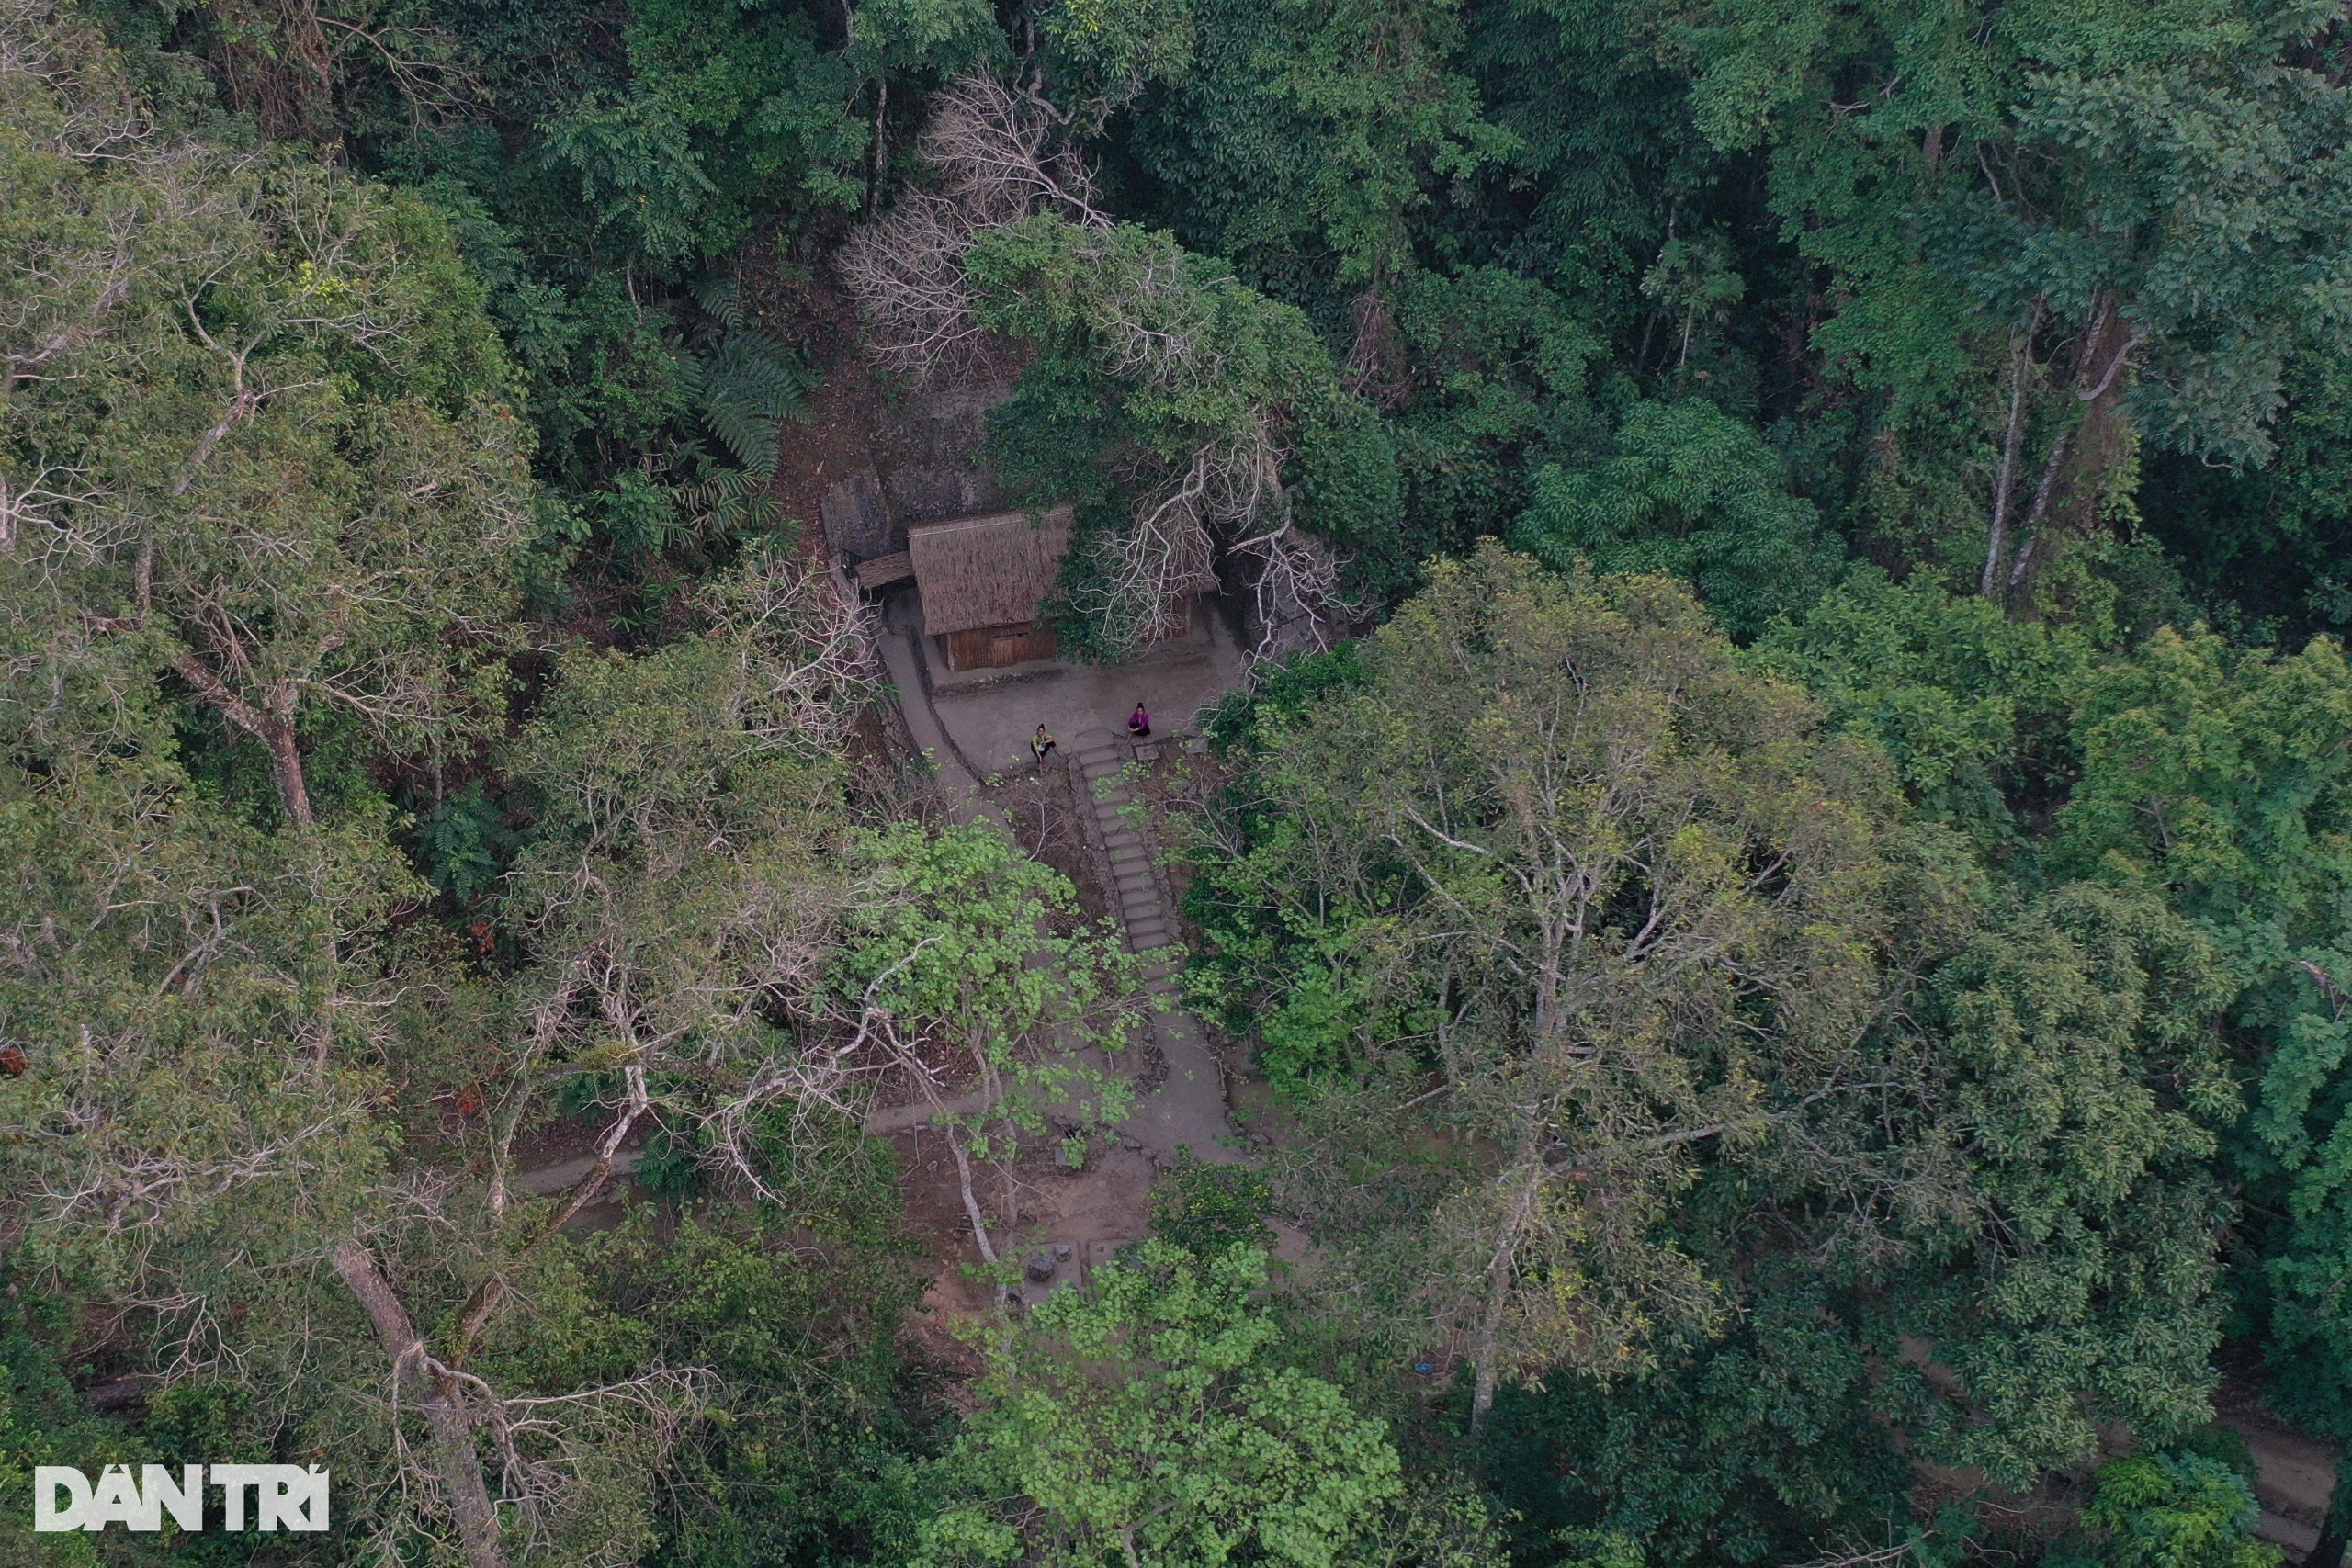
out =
column 990, row 648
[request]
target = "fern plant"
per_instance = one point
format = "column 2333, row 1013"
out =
column 741, row 387
column 739, row 380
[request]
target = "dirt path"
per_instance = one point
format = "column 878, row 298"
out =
column 2294, row 1472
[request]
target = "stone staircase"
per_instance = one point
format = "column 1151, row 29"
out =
column 1187, row 1110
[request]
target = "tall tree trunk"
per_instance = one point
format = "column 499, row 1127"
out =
column 1488, row 1352
column 286, row 769
column 2005, row 481
column 2095, row 445
column 1490, row 1329
column 273, row 728
column 444, row 1404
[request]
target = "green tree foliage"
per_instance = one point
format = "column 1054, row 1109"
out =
column 1308, row 132
column 1224, row 409
column 1101, row 54
column 1692, row 493
column 2264, row 548
column 1511, row 881
column 801, row 1459
column 1151, row 1421
column 257, row 436
column 1491, row 389
column 2131, row 231
column 1746, row 1449
column 1499, row 859
column 2077, row 1068
column 952, row 946
column 1205, row 1209
column 1970, row 705
column 683, row 893
column 2217, row 776
column 44, row 1421
column 2172, row 1511
column 1780, row 999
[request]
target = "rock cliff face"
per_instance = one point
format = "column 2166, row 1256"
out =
column 924, row 467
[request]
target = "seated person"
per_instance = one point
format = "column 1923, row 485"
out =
column 1139, row 722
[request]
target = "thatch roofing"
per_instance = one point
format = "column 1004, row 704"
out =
column 882, row 570
column 996, row 570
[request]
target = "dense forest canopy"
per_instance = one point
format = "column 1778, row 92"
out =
column 1776, row 889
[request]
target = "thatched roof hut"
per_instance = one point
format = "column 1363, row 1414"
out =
column 997, row 570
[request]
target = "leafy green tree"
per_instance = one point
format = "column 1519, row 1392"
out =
column 2218, row 776
column 2264, row 548
column 261, row 477
column 1520, row 859
column 2077, row 1064
column 681, row 896
column 802, row 1458
column 733, row 119
column 1306, row 135
column 1609, row 160
column 2172, row 1511
column 1751, row 1448
column 1986, row 1136
column 2087, row 228
column 2070, row 1280
column 952, row 950
column 1491, row 370
column 43, row 1421
column 1222, row 408
column 1693, row 493
column 1970, row 705
column 1151, row 1421
column 259, row 439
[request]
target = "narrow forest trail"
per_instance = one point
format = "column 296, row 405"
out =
column 1080, row 1218
column 1187, row 1110
column 2294, row 1472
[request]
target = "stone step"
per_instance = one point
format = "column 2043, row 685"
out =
column 1160, row 986
column 1100, row 753
column 1155, row 923
column 1113, row 797
column 1144, row 941
column 1137, row 880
